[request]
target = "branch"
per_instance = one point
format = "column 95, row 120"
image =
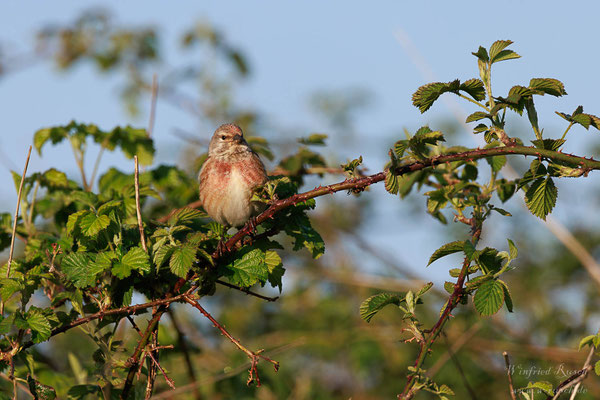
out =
column 359, row 184
column 576, row 378
column 186, row 355
column 509, row 374
column 137, row 204
column 254, row 356
column 14, row 228
column 247, row 291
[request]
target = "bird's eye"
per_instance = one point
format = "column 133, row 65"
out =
column 223, row 137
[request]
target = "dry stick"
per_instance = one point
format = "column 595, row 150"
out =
column 137, row 204
column 186, row 354
column 509, row 374
column 254, row 356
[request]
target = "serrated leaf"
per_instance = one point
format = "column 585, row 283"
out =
column 91, row 224
column 541, row 197
column 81, row 391
column 448, row 248
column 8, row 287
column 427, row 94
column 505, row 55
column 400, row 147
column 424, row 289
column 449, row 287
column 161, row 255
column 391, row 182
column 550, row 144
column 79, row 269
column 505, row 189
column 489, row 297
column 137, row 259
column 512, row 249
column 597, row 368
column 496, row 162
column 497, row 47
column 74, row 219
column 507, row 296
column 40, row 326
column 249, row 269
column 476, row 116
column 550, row 86
column 182, row 259
column 374, row 304
column 482, row 54
column 185, row 216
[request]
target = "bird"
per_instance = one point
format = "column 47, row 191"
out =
column 229, row 176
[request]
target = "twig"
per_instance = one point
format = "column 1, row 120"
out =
column 14, row 228
column 134, row 360
column 247, row 291
column 153, row 358
column 153, row 99
column 577, row 378
column 186, row 355
column 509, row 374
column 254, row 356
column 137, row 204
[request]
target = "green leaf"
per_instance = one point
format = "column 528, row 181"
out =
column 512, row 249
column 304, row 235
column 550, row 86
column 39, row 324
column 476, row 116
column 474, row 87
column 489, row 297
column 482, row 54
column 182, row 259
column 586, row 340
column 507, row 296
column 136, row 259
column 55, row 135
column 424, row 136
column 374, row 304
column 502, row 211
column 162, row 254
column 427, row 94
column 186, row 216
column 424, row 289
column 391, row 182
column 541, row 197
column 550, row 144
column 79, row 269
column 400, row 147
column 597, row 368
column 314, row 139
column 497, row 52
column 39, row 391
column 448, row 248
column 544, row 386
column 249, row 269
column 91, row 224
column 505, row 189
column 496, row 162
column 9, row 286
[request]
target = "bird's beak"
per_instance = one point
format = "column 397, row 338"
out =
column 238, row 138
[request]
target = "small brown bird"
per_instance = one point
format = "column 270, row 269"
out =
column 229, row 175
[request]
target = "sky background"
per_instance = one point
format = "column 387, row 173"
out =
column 389, row 48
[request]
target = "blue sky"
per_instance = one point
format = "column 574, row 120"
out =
column 296, row 48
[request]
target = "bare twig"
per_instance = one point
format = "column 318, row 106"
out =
column 137, row 204
column 14, row 228
column 247, row 291
column 254, row 356
column 509, row 374
column 153, row 99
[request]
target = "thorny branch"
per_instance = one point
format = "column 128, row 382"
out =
column 253, row 355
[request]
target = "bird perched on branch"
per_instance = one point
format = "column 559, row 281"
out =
column 229, row 176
